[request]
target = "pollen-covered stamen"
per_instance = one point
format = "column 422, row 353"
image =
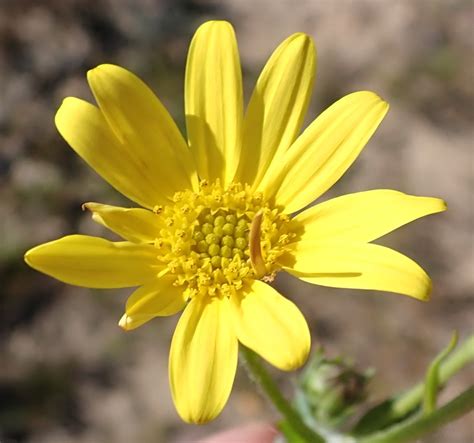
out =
column 216, row 239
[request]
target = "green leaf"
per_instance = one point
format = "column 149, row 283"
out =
column 404, row 405
column 382, row 415
column 432, row 376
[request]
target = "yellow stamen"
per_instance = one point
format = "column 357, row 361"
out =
column 217, row 238
column 255, row 248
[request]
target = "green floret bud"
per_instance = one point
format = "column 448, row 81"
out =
column 241, row 243
column 216, row 261
column 207, row 228
column 214, row 250
column 227, row 240
column 225, row 262
column 218, row 231
column 243, row 223
column 231, row 218
column 219, row 221
column 212, row 239
column 198, row 236
column 240, row 231
column 204, row 238
column 202, row 246
column 228, row 228
column 226, row 251
column 239, row 252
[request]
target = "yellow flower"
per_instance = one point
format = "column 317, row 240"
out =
column 215, row 224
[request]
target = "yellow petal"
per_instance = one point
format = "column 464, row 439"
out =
column 85, row 129
column 363, row 216
column 359, row 266
column 272, row 326
column 142, row 123
column 133, row 224
column 203, row 360
column 213, row 101
column 278, row 105
column 158, row 298
column 94, row 262
column 321, row 155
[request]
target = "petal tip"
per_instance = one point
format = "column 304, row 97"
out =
column 210, row 23
column 215, row 26
column 62, row 107
column 369, row 96
column 197, row 416
column 103, row 67
column 89, row 206
column 125, row 323
column 95, row 74
column 27, row 257
column 303, row 38
column 195, row 419
column 65, row 102
column 31, row 256
column 69, row 110
column 91, row 72
column 299, row 360
column 307, row 46
column 384, row 105
column 426, row 295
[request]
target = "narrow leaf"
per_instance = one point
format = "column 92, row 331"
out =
column 432, row 382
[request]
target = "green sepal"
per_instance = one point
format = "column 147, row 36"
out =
column 330, row 389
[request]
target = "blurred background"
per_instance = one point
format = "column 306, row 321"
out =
column 67, row 372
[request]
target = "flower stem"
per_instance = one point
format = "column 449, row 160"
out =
column 423, row 424
column 260, row 375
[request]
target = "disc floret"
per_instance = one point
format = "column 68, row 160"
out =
column 204, row 241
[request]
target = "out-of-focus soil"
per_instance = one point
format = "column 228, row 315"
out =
column 67, row 372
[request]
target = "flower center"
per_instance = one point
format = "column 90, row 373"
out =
column 206, row 239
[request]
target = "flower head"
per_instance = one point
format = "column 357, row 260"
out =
column 215, row 223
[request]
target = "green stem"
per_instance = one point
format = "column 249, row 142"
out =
column 400, row 406
column 424, row 424
column 263, row 379
column 450, row 366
